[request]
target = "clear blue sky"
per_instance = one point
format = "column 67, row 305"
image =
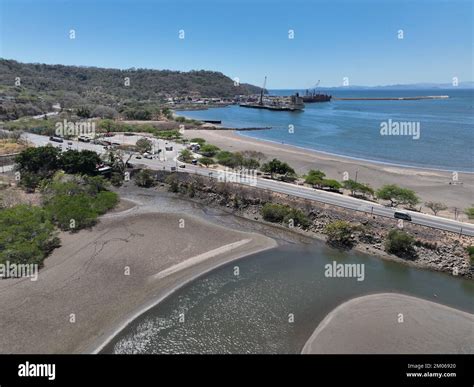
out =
column 249, row 39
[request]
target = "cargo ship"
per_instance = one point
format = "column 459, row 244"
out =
column 291, row 103
column 313, row 96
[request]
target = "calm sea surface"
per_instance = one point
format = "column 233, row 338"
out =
column 352, row 128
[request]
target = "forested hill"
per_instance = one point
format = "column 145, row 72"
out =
column 43, row 84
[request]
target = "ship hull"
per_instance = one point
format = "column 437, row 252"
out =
column 316, row 98
column 270, row 107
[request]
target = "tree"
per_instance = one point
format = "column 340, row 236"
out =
column 470, row 251
column 84, row 112
column 42, row 161
column 273, row 212
column 138, row 114
column 333, row 185
column 104, row 112
column 82, row 162
column 397, row 195
column 116, row 179
column 115, row 159
column 278, row 167
column 400, row 243
column 356, row 187
column 297, row 218
column 173, row 181
column 167, row 113
column 339, row 233
column 104, row 201
column 251, row 154
column 314, row 177
column 75, row 202
column 229, row 159
column 251, row 163
column 209, row 150
column 365, row 190
column 72, row 212
column 29, row 181
column 107, row 125
column 206, row 161
column 436, row 207
column 186, row 155
column 279, row 213
column 144, row 145
column 469, row 212
column 144, row 178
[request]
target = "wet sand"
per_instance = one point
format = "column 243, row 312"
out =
column 430, row 185
column 391, row 323
column 83, row 294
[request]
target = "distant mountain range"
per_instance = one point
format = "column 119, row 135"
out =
column 412, row 86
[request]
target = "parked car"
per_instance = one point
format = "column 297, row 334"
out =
column 138, row 157
column 182, row 165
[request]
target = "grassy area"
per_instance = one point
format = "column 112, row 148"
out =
column 27, row 235
column 10, row 146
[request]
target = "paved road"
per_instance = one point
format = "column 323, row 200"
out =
column 168, row 160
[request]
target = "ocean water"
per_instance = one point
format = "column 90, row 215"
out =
column 353, row 128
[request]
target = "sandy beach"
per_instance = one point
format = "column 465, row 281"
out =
column 104, row 277
column 391, row 323
column 430, row 185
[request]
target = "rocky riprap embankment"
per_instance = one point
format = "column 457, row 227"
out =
column 435, row 249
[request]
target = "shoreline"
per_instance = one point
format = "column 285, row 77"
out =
column 227, row 254
column 392, row 323
column 350, row 158
column 170, row 291
column 83, row 277
column 429, row 184
column 241, row 132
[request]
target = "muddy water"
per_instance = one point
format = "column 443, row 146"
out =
column 275, row 299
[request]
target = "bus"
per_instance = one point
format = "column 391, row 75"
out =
column 402, row 215
column 56, row 139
